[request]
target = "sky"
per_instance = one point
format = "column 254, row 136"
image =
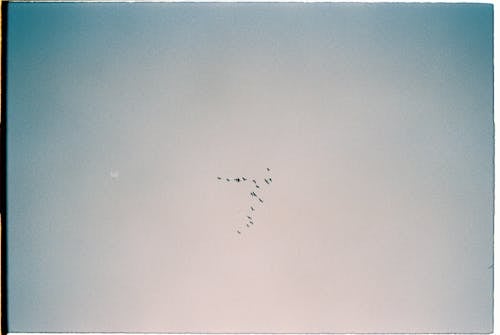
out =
column 376, row 121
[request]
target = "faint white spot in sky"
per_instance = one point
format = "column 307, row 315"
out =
column 114, row 174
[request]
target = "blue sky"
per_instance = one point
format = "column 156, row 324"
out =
column 377, row 123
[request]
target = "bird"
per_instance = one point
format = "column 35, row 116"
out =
column 268, row 180
column 490, row 267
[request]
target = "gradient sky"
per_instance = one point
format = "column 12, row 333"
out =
column 377, row 123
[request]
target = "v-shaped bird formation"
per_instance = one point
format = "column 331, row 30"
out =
column 255, row 194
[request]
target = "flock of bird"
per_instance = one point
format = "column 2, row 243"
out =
column 255, row 197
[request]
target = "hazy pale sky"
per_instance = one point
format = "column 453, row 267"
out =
column 375, row 119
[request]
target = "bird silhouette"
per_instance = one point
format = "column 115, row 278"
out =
column 267, row 180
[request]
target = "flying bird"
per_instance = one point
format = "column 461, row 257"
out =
column 267, row 180
column 114, row 174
